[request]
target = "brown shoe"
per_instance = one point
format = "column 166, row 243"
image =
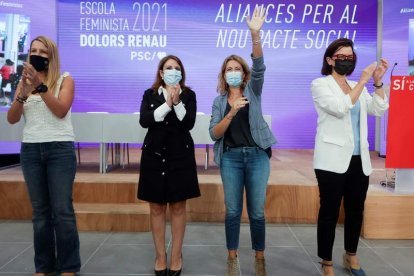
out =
column 44, row 274
column 68, row 274
column 260, row 267
column 233, row 267
column 327, row 268
column 355, row 268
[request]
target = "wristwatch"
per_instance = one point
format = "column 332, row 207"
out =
column 41, row 88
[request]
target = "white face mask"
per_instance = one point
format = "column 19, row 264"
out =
column 172, row 77
column 234, row 78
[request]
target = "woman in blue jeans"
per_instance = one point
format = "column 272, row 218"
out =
column 242, row 146
column 44, row 97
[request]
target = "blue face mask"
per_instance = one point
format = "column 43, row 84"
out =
column 234, row 79
column 172, row 77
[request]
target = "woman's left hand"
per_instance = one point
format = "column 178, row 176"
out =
column 31, row 74
column 380, row 71
column 255, row 23
column 176, row 94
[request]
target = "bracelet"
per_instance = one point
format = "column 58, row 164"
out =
column 378, row 86
column 20, row 100
column 256, row 42
column 177, row 103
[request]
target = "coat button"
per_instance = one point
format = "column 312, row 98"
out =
column 166, row 123
column 152, row 105
column 186, row 146
column 163, row 173
column 163, row 160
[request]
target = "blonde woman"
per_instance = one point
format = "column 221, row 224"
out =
column 44, row 98
column 242, row 146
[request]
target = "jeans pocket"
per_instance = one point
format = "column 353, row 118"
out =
column 64, row 145
column 25, row 147
column 268, row 152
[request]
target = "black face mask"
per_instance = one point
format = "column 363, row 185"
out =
column 39, row 63
column 343, row 66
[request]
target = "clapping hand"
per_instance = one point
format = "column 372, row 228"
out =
column 24, row 88
column 176, row 94
column 380, row 71
column 173, row 94
column 368, row 72
column 30, row 73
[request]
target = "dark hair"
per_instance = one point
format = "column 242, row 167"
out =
column 159, row 81
column 9, row 62
column 332, row 49
column 19, row 70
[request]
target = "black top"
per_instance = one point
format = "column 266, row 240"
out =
column 238, row 133
column 170, row 134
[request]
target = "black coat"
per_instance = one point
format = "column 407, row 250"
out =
column 168, row 171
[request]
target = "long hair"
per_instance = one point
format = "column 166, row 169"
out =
column 53, row 70
column 222, row 86
column 159, row 81
column 332, row 49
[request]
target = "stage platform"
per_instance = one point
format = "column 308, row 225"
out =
column 107, row 202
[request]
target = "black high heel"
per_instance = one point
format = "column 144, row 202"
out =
column 163, row 272
column 176, row 272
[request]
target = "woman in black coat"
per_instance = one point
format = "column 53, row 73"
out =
column 168, row 173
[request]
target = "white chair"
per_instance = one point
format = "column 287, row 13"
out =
column 123, row 129
column 201, row 135
column 88, row 129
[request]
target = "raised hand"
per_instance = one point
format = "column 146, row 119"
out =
column 255, row 23
column 379, row 72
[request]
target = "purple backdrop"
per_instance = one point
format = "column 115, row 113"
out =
column 111, row 76
column 112, row 50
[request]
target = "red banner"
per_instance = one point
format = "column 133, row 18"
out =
column 400, row 130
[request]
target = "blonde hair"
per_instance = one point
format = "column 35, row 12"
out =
column 222, row 86
column 53, row 70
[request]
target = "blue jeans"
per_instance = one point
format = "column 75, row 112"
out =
column 49, row 171
column 245, row 167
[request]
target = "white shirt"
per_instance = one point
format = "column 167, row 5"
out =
column 41, row 125
column 164, row 109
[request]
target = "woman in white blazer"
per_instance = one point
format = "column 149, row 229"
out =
column 341, row 158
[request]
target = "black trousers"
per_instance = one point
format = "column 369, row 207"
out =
column 352, row 186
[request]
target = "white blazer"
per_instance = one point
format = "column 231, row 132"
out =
column 334, row 142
